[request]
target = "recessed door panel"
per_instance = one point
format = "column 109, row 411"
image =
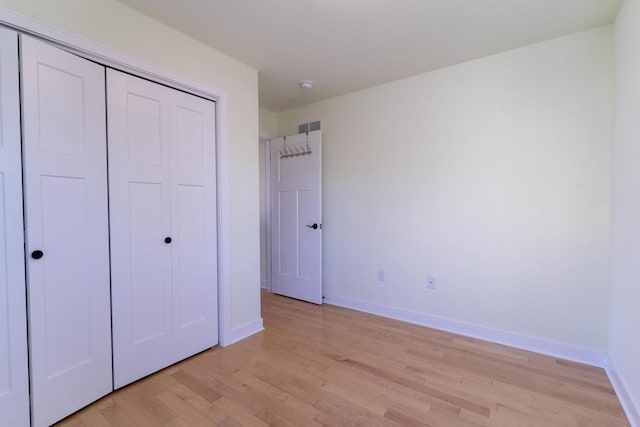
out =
column 64, row 235
column 148, row 294
column 5, row 343
column 287, row 232
column 65, row 181
column 192, row 255
column 143, row 137
column 59, row 130
column 190, row 127
column 306, row 259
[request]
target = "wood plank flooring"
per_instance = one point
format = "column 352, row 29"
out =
column 328, row 366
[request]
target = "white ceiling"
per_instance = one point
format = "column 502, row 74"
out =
column 347, row 45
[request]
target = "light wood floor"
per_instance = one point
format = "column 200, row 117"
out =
column 336, row 367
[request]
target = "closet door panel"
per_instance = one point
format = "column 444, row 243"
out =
column 139, row 192
column 193, row 214
column 65, row 180
column 66, row 272
column 145, row 202
column 14, row 380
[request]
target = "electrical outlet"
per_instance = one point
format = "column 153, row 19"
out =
column 381, row 276
column 431, row 282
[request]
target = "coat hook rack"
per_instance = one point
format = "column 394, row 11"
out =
column 295, row 150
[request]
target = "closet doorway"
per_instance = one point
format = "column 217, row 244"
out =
column 61, row 164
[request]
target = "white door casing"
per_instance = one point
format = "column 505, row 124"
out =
column 296, row 216
column 14, row 377
column 162, row 186
column 65, row 181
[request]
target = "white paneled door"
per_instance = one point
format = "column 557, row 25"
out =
column 139, row 203
column 193, row 223
column 296, row 216
column 163, row 225
column 65, row 182
column 14, row 380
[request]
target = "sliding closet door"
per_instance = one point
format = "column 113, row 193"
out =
column 193, row 214
column 139, row 192
column 14, row 380
column 65, row 179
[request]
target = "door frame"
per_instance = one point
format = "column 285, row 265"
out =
column 266, row 140
column 122, row 61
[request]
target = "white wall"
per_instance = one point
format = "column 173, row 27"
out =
column 624, row 329
column 492, row 175
column 111, row 23
column 268, row 123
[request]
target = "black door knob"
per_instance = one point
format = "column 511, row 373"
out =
column 167, row 240
column 37, row 254
column 314, row 226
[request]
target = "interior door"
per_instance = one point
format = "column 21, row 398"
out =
column 296, row 216
column 139, row 196
column 14, row 379
column 65, row 181
column 193, row 218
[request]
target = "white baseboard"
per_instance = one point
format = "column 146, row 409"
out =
column 629, row 404
column 512, row 339
column 263, row 284
column 246, row 330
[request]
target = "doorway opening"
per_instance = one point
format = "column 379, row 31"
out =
column 265, row 210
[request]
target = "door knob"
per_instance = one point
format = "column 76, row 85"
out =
column 314, row 226
column 37, row 254
column 167, row 240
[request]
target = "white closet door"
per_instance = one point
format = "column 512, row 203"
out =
column 14, row 380
column 163, row 225
column 139, row 194
column 193, row 213
column 65, row 178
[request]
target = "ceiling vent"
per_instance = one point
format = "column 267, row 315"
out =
column 309, row 127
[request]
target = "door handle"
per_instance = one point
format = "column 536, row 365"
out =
column 315, row 226
column 37, row 254
column 167, row 240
